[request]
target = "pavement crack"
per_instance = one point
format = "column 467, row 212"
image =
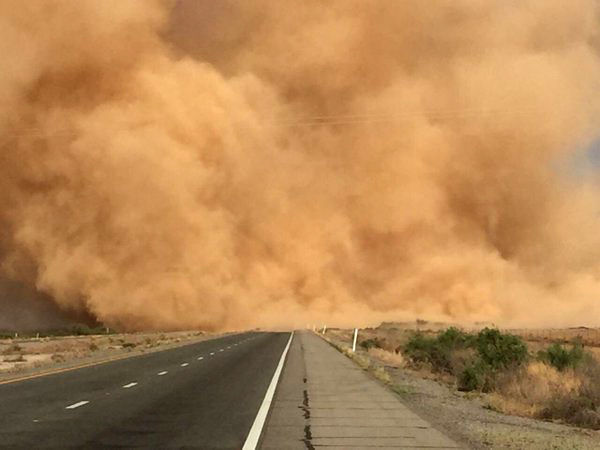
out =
column 307, row 431
column 308, row 438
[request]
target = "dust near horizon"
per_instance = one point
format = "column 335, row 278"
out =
column 226, row 165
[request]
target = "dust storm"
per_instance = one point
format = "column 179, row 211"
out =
column 226, row 165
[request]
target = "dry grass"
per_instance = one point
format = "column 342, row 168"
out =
column 388, row 358
column 529, row 389
column 538, row 390
column 381, row 374
column 362, row 361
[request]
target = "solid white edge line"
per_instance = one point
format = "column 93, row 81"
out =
column 259, row 422
column 77, row 405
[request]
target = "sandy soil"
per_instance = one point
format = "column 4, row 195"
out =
column 466, row 417
column 23, row 356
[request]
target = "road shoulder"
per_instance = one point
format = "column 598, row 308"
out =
column 326, row 400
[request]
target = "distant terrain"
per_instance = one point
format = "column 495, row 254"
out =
column 67, row 347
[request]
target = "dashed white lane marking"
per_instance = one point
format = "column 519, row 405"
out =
column 78, row 404
column 200, row 358
column 185, row 364
column 259, row 422
column 212, row 353
column 130, row 385
column 220, row 349
column 164, row 372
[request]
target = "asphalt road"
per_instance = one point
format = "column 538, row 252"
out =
column 204, row 395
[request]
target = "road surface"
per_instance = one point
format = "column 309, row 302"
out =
column 204, row 395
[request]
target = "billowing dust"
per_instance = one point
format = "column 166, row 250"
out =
column 230, row 164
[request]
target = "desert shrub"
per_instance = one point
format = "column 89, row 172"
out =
column 499, row 350
column 15, row 348
column 475, row 360
column 455, row 338
column 496, row 352
column 561, row 358
column 370, row 343
column 583, row 408
column 436, row 351
column 477, row 376
column 424, row 349
column 129, row 344
column 93, row 346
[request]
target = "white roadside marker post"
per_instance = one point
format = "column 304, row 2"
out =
column 354, row 340
column 324, row 328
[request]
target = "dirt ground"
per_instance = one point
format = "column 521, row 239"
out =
column 23, row 356
column 466, row 417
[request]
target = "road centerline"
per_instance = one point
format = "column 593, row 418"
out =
column 78, row 404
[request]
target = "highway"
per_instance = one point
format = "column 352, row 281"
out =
column 203, row 395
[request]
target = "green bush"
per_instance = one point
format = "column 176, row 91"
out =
column 478, row 376
column 488, row 352
column 436, row 351
column 500, row 351
column 561, row 358
column 370, row 343
column 455, row 338
column 423, row 349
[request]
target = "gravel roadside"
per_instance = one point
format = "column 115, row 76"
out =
column 48, row 355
